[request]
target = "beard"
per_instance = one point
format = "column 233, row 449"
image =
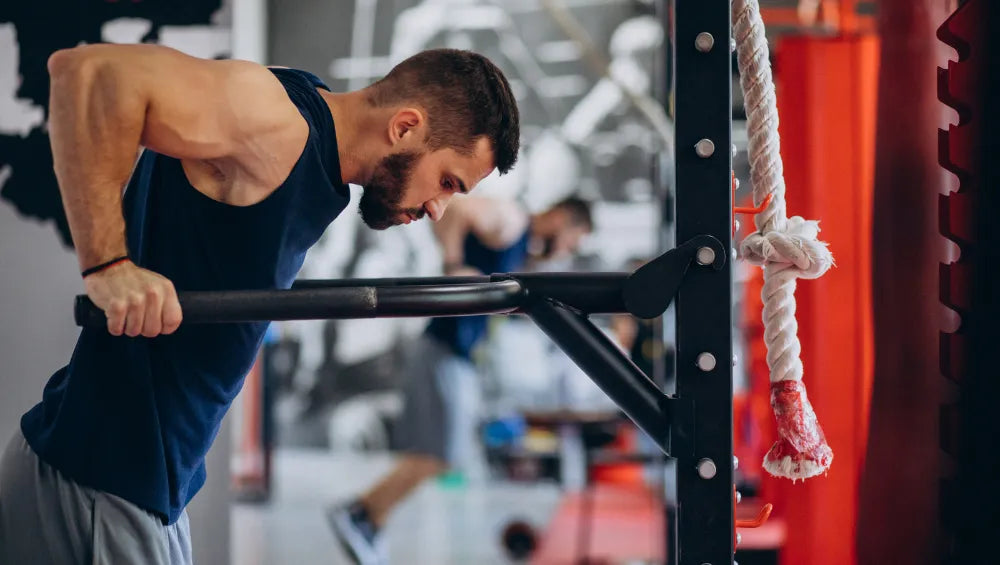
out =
column 379, row 206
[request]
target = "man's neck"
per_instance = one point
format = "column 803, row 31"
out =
column 350, row 112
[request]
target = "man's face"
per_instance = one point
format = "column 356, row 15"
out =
column 563, row 237
column 564, row 243
column 412, row 183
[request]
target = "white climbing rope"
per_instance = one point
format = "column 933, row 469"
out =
column 787, row 248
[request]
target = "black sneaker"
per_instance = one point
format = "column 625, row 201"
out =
column 357, row 534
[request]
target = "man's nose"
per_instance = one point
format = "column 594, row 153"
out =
column 436, row 207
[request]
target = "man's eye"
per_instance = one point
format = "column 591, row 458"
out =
column 447, row 184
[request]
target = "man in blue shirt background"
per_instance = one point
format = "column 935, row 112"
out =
column 441, row 393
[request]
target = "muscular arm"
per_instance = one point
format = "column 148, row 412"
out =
column 106, row 102
column 497, row 223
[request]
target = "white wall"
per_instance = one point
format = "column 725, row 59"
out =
column 38, row 279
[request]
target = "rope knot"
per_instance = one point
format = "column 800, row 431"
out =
column 796, row 244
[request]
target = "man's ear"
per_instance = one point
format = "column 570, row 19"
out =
column 405, row 124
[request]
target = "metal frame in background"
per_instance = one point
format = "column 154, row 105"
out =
column 703, row 136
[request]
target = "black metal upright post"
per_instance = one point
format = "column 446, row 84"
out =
column 702, row 90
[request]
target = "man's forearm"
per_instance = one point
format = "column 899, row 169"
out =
column 450, row 233
column 452, row 252
column 95, row 127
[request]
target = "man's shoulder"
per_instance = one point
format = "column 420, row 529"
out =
column 299, row 75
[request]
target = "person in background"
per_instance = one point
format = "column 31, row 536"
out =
column 478, row 236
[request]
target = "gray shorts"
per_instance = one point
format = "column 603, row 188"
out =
column 47, row 519
column 441, row 406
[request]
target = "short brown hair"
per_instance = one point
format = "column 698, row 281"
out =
column 578, row 210
column 465, row 97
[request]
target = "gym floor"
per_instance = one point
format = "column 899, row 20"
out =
column 439, row 525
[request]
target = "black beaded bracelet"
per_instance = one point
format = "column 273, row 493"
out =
column 105, row 265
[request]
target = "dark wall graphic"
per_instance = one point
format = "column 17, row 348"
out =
column 31, row 31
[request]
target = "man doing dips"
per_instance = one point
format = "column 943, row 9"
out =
column 243, row 169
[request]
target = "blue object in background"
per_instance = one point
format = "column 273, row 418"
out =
column 504, row 432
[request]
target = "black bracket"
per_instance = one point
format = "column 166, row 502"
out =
column 651, row 288
column 679, row 440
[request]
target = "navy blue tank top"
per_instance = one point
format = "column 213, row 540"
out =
column 461, row 334
column 135, row 417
